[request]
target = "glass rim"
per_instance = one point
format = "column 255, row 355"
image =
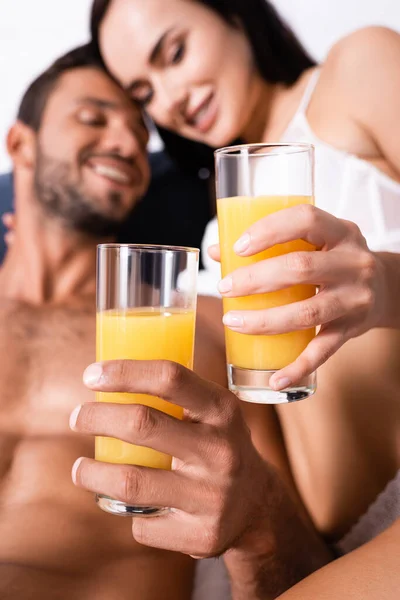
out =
column 156, row 248
column 232, row 151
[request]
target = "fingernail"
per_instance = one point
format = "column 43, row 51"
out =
column 281, row 384
column 93, row 374
column 242, row 244
column 232, row 319
column 225, row 285
column 74, row 417
column 75, row 468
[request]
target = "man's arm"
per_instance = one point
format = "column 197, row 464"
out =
column 391, row 265
column 282, row 550
column 209, row 355
column 262, row 420
column 256, row 571
column 370, row 573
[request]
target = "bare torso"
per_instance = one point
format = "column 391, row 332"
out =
column 54, row 542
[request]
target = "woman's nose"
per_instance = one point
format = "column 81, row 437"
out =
column 173, row 101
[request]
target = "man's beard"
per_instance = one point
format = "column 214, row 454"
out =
column 64, row 199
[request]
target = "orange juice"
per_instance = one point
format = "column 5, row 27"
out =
column 142, row 334
column 260, row 352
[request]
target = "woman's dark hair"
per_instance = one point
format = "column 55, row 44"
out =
column 279, row 56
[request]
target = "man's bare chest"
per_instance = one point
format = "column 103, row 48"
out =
column 49, row 528
column 42, row 356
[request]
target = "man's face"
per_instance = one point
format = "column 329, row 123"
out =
column 91, row 166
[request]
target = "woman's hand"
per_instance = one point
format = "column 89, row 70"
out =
column 351, row 279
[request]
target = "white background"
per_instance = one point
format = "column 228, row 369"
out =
column 34, row 32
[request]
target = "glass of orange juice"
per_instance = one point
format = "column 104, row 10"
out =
column 253, row 181
column 146, row 309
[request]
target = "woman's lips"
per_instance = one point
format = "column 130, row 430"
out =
column 204, row 117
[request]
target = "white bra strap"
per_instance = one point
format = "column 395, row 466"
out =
column 311, row 85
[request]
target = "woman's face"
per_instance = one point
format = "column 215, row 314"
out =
column 190, row 70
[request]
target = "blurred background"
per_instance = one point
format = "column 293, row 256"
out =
column 35, row 32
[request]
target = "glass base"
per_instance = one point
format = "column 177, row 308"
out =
column 115, row 507
column 253, row 386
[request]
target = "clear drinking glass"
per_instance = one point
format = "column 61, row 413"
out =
column 253, row 181
column 146, row 309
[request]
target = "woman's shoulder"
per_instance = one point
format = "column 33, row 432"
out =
column 358, row 83
column 361, row 56
column 365, row 39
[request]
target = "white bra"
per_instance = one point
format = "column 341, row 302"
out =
column 345, row 186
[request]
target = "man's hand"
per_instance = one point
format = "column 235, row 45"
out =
column 219, row 485
column 221, row 494
column 9, row 222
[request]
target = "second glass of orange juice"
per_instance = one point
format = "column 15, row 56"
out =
column 254, row 181
column 146, row 309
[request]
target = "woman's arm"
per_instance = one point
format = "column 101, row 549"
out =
column 363, row 72
column 365, row 67
column 370, row 573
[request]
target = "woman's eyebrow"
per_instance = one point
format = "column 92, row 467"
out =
column 158, row 46
column 154, row 56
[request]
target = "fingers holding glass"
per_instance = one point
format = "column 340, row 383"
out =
column 162, row 378
column 301, row 222
column 205, row 492
column 298, row 316
column 323, row 346
column 295, row 268
column 135, row 485
column 142, row 425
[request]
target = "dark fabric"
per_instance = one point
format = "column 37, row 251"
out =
column 6, row 205
column 175, row 211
